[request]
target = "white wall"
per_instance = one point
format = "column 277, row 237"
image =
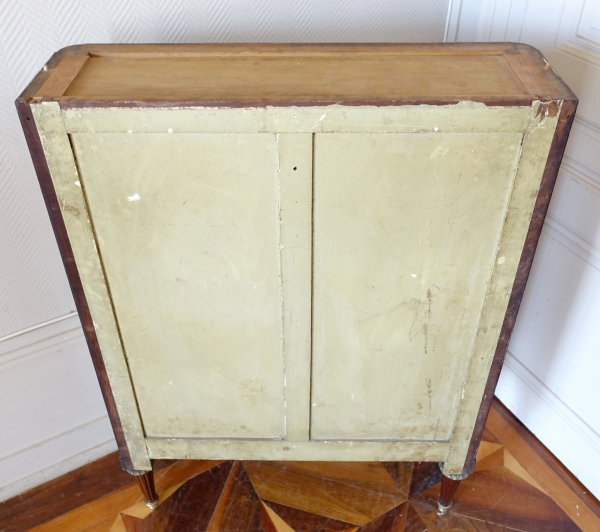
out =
column 52, row 416
column 550, row 379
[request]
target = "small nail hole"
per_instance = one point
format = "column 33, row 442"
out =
column 295, row 167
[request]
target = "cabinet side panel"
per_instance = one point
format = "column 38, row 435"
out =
column 559, row 141
column 188, row 229
column 532, row 163
column 60, row 232
column 63, row 171
column 406, row 232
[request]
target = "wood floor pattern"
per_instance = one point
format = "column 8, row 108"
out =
column 517, row 486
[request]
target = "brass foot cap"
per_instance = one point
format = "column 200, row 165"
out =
column 443, row 509
column 152, row 504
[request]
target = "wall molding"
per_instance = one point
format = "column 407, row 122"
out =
column 28, row 468
column 38, row 326
column 583, row 175
column 562, row 231
column 453, row 21
column 575, row 36
column 587, row 126
column 495, row 21
column 581, row 50
column 42, row 455
column 457, row 24
column 40, row 340
column 573, row 240
column 551, row 420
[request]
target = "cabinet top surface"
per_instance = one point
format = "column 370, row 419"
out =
column 295, row 74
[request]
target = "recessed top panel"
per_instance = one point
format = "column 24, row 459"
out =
column 293, row 74
column 302, row 78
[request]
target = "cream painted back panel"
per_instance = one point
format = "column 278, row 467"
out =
column 407, row 226
column 210, row 242
column 188, row 230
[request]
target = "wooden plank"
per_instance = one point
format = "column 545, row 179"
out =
column 314, row 51
column 54, row 211
column 303, row 79
column 260, row 49
column 531, row 77
column 45, row 72
column 295, row 222
column 61, row 78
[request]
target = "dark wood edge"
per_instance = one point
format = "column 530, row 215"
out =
column 73, row 103
column 549, row 459
column 491, row 48
column 557, row 148
column 60, row 233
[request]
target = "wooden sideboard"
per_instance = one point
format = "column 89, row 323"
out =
column 297, row 252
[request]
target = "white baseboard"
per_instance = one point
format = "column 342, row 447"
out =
column 52, row 417
column 54, row 457
column 558, row 427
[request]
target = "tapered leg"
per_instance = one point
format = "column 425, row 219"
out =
column 449, row 487
column 145, row 480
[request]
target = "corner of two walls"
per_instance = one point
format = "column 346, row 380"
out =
column 53, row 418
column 550, row 377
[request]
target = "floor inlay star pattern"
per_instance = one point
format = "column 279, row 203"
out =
column 348, row 497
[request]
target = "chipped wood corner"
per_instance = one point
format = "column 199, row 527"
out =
column 548, row 109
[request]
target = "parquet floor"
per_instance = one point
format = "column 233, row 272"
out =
column 517, row 486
